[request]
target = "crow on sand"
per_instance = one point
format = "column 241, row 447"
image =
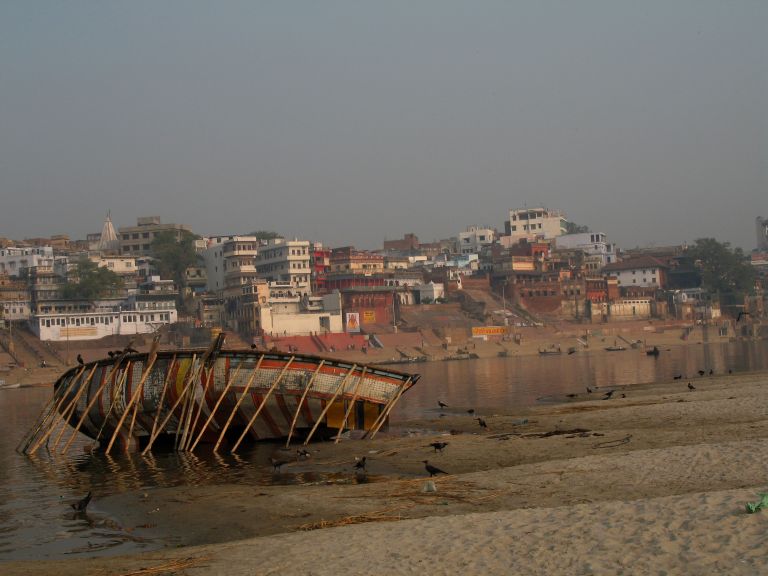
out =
column 432, row 469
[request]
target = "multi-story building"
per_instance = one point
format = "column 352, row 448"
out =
column 351, row 261
column 474, row 238
column 594, row 244
column 15, row 260
column 409, row 243
column 230, row 261
column 153, row 306
column 137, row 240
column 645, row 271
column 533, row 223
column 281, row 260
column 320, row 263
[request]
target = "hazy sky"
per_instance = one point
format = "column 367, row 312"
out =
column 349, row 122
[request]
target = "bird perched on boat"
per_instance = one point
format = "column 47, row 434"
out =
column 482, row 423
column 276, row 464
column 111, row 354
column 360, row 464
column 439, row 446
column 433, row 470
column 691, row 387
column 82, row 504
column 129, row 350
column 442, row 404
column 608, row 395
column 471, row 411
column 80, row 360
column 301, row 453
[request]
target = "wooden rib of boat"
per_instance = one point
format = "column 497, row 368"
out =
column 189, row 393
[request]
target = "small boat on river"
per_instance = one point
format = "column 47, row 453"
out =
column 188, row 396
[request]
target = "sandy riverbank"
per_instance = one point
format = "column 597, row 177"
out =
column 651, row 483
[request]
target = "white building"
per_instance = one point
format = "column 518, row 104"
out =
column 431, row 292
column 15, row 309
column 15, row 259
column 295, row 316
column 644, row 272
column 594, row 244
column 230, row 261
column 153, row 306
column 282, row 260
column 472, row 240
column 533, row 223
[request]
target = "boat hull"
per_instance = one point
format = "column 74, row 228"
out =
column 214, row 398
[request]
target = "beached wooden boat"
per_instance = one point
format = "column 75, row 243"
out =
column 550, row 351
column 224, row 397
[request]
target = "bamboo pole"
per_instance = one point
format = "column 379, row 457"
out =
column 93, row 400
column 301, row 402
column 47, row 411
column 167, row 379
column 196, row 419
column 116, row 389
column 263, row 403
column 186, row 413
column 205, row 362
column 73, row 405
column 156, row 432
column 351, row 405
column 56, row 414
column 239, row 401
column 134, row 398
column 216, row 406
column 388, row 408
column 328, row 405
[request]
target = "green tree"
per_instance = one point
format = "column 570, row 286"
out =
column 174, row 255
column 265, row 234
column 91, row 281
column 724, row 271
column 573, row 228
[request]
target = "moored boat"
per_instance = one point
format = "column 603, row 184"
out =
column 224, row 396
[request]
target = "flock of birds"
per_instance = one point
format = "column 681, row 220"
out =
column 111, row 354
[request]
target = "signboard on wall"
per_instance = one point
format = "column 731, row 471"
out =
column 488, row 331
column 353, row 322
column 369, row 316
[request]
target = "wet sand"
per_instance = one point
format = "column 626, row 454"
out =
column 652, row 483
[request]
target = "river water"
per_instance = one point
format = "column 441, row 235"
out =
column 36, row 520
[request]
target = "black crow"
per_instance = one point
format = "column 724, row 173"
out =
column 691, row 387
column 360, row 464
column 438, row 446
column 432, row 469
column 276, row 464
column 482, row 423
column 608, row 395
column 80, row 360
column 471, row 411
column 82, row 504
column 442, row 404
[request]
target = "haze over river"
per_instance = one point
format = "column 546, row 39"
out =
column 36, row 520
